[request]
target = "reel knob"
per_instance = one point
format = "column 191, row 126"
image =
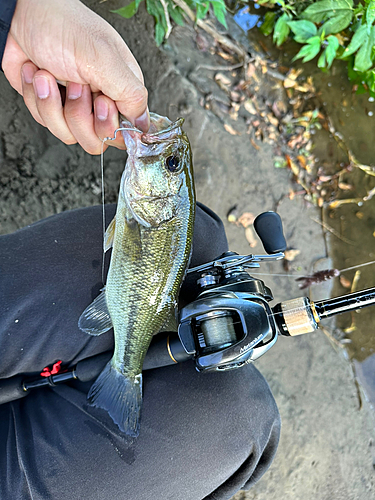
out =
column 269, row 228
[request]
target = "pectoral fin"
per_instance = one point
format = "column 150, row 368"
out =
column 171, row 324
column 109, row 235
column 95, row 319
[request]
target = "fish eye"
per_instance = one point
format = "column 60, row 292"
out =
column 172, row 163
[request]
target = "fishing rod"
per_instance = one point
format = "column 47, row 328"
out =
column 228, row 325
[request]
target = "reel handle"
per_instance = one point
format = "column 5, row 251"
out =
column 269, row 228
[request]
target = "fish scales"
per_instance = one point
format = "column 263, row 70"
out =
column 151, row 237
column 140, row 257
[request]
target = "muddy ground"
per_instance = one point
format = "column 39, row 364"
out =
column 325, row 450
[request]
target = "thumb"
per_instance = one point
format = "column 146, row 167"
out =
column 117, row 75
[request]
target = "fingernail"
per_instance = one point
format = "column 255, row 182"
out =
column 74, row 90
column 41, row 86
column 101, row 110
column 28, row 73
column 143, row 122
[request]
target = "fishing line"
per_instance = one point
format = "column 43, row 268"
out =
column 102, row 178
column 304, row 275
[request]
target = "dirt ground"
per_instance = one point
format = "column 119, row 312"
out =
column 325, row 450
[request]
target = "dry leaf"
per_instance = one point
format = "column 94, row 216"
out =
column 225, row 56
column 246, row 219
column 289, row 83
column 250, row 108
column 235, row 96
column 202, row 42
column 345, row 187
column 233, row 112
column 273, row 120
column 302, row 161
column 293, row 167
column 338, row 203
column 220, row 77
column 279, row 108
column 325, row 178
column 250, row 236
column 345, row 282
column 254, row 144
column 359, row 215
column 291, row 253
column 231, row 130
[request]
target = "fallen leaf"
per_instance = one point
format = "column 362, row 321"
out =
column 230, row 129
column 254, row 144
column 250, row 236
column 324, row 178
column 202, row 42
column 345, row 187
column 345, row 282
column 220, row 77
column 291, row 253
column 250, row 108
column 359, row 215
column 235, row 96
column 293, row 167
column 246, row 219
column 250, row 71
column 273, row 120
column 302, row 161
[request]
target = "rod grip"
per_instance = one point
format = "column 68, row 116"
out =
column 12, row 389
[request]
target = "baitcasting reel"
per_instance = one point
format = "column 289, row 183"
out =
column 228, row 325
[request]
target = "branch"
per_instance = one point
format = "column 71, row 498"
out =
column 222, row 39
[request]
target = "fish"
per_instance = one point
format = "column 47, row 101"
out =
column 151, row 239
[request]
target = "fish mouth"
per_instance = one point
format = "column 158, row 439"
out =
column 158, row 127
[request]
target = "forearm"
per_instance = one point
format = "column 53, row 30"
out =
column 7, row 8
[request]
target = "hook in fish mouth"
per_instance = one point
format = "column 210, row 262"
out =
column 154, row 119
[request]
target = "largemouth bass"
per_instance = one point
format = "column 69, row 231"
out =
column 151, row 236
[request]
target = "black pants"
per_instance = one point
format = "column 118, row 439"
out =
column 203, row 436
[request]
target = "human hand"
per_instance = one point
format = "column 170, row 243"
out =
column 66, row 41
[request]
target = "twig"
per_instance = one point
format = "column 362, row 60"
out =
column 219, row 68
column 352, row 159
column 167, row 19
column 333, row 231
column 222, row 39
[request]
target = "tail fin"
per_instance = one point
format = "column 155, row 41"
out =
column 120, row 396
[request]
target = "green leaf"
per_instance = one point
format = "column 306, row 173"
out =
column 370, row 15
column 303, row 30
column 331, row 50
column 269, row 22
column 159, row 33
column 176, row 14
column 281, row 31
column 152, row 9
column 128, row 11
column 358, row 39
column 220, row 11
column 325, row 9
column 337, row 23
column 202, row 10
column 322, row 60
column 310, row 50
column 363, row 60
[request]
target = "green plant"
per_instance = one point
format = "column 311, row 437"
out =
column 335, row 29
column 165, row 10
